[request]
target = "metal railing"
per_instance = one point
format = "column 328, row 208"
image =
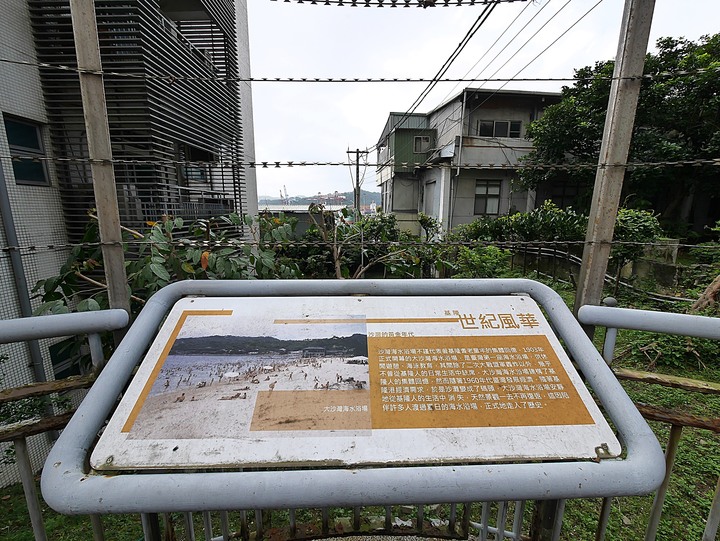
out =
column 489, row 520
column 614, row 318
column 35, row 328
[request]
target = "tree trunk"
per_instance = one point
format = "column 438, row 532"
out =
column 709, row 295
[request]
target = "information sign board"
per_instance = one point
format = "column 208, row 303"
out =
column 353, row 381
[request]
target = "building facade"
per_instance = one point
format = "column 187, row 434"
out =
column 180, row 121
column 457, row 162
column 173, row 105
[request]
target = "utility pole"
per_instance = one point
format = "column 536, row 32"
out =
column 624, row 92
column 356, row 184
column 87, row 49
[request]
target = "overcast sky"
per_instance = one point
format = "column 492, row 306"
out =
column 320, row 122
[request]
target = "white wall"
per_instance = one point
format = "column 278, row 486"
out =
column 246, row 107
column 36, row 209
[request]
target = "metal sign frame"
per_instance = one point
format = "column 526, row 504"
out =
column 69, row 487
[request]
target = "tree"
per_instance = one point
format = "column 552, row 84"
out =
column 678, row 119
column 353, row 247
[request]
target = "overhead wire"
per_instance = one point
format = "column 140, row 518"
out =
column 487, row 51
column 512, row 40
column 697, row 162
column 172, row 78
column 564, row 33
column 401, row 3
column 453, row 122
column 445, row 67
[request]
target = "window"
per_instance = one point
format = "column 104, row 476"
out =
column 195, row 173
column 487, row 196
column 24, row 139
column 498, row 128
column 565, row 194
column 421, row 144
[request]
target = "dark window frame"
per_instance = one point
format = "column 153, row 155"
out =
column 20, row 167
column 423, row 148
column 499, row 129
column 480, row 206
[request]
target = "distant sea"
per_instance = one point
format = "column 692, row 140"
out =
column 181, row 372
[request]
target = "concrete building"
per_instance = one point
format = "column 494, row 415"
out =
column 184, row 107
column 457, row 162
column 174, row 102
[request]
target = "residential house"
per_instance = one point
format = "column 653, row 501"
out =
column 457, row 162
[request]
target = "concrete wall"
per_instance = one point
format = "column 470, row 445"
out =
column 246, row 107
column 463, row 207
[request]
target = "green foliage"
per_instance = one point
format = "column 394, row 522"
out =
column 633, row 230
column 678, row 118
column 481, row 262
column 548, row 222
column 169, row 251
column 708, row 252
column 681, row 352
column 343, row 246
column 430, row 226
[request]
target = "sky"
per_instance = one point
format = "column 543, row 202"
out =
column 320, row 122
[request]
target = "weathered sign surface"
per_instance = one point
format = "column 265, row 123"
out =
column 264, row 382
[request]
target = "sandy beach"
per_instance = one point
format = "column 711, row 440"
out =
column 292, row 393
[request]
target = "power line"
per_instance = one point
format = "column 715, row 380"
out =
column 512, row 40
column 401, row 3
column 487, row 51
column 531, row 37
column 475, row 108
column 698, row 162
column 445, row 67
column 177, row 78
column 452, row 122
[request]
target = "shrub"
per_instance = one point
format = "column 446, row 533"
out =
column 481, row 262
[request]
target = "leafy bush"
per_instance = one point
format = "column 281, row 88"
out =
column 706, row 252
column 481, row 262
column 169, row 251
column 633, row 230
column 340, row 246
column 675, row 351
column 548, row 222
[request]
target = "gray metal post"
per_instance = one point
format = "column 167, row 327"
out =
column 18, row 271
column 150, row 526
column 619, row 122
column 31, row 494
column 97, row 528
column 189, row 526
column 670, row 453
column 87, row 49
column 610, row 334
column 557, row 526
column 604, row 519
column 713, row 521
column 96, row 351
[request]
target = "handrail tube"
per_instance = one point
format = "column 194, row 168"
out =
column 69, row 488
column 33, row 328
column 651, row 321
